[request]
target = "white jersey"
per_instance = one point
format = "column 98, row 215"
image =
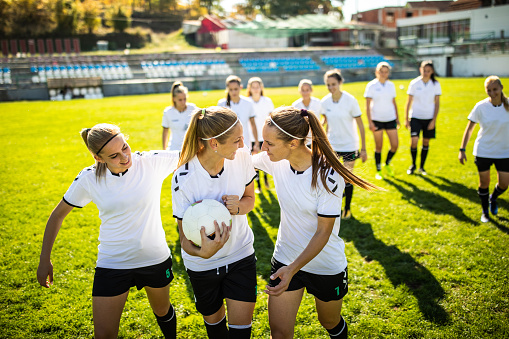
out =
column 341, row 121
column 423, row 105
column 382, row 95
column 244, row 110
column 191, row 183
column 177, row 122
column 301, row 206
column 131, row 233
column 493, row 138
column 315, row 106
column 262, row 109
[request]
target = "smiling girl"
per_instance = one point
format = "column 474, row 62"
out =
column 126, row 187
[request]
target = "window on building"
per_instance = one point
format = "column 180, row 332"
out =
column 390, row 17
column 409, row 14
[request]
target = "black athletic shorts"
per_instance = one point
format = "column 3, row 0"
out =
column 110, row 282
column 484, row 164
column 324, row 287
column 259, row 144
column 418, row 125
column 380, row 125
column 349, row 156
column 236, row 281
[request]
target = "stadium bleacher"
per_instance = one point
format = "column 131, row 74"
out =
column 255, row 65
column 187, row 68
column 105, row 70
column 353, row 62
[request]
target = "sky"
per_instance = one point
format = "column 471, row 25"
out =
column 350, row 7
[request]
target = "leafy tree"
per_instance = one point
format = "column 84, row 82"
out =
column 288, row 8
column 66, row 15
column 120, row 20
column 30, row 18
column 91, row 11
column 4, row 24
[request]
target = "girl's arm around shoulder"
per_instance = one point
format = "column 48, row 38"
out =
column 164, row 161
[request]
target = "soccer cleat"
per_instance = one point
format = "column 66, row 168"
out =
column 257, row 191
column 485, row 217
column 388, row 170
column 494, row 206
column 410, row 170
column 379, row 175
column 346, row 214
column 422, row 171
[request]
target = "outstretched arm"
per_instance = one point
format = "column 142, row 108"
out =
column 45, row 269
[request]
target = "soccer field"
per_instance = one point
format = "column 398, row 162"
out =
column 421, row 264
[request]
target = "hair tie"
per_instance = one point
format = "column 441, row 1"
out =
column 229, row 128
column 100, row 149
column 203, row 111
column 282, row 130
column 88, row 130
column 304, row 112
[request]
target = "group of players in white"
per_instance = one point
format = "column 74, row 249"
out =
column 215, row 153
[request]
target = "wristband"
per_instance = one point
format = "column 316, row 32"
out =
column 238, row 210
column 462, row 150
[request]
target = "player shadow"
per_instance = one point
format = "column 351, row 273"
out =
column 453, row 187
column 428, row 200
column 496, row 221
column 179, row 269
column 400, row 268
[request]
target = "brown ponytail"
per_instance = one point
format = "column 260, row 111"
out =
column 229, row 80
column 95, row 139
column 206, row 123
column 177, row 88
column 430, row 64
column 297, row 123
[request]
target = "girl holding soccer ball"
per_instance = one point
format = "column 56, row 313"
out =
column 176, row 118
column 343, row 116
column 382, row 113
column 491, row 145
column 421, row 112
column 214, row 164
column 242, row 107
column 262, row 107
column 126, row 187
column 309, row 252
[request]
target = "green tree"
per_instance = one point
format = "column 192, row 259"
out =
column 288, row 8
column 91, row 11
column 120, row 20
column 30, row 18
column 66, row 15
column 4, row 9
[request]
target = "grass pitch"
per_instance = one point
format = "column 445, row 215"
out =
column 421, row 264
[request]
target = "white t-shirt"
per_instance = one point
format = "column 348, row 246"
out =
column 131, row 233
column 493, row 138
column 300, row 208
column 423, row 105
column 315, row 106
column 191, row 183
column 177, row 122
column 382, row 95
column 244, row 110
column 262, row 109
column 341, row 120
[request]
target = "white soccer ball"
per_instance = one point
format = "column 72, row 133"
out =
column 203, row 213
column 401, row 87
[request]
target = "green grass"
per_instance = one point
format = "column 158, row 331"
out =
column 421, row 264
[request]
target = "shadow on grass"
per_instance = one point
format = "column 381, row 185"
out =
column 428, row 200
column 453, row 187
column 179, row 268
column 400, row 268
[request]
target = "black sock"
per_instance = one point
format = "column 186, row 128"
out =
column 258, row 179
column 424, row 154
column 484, row 195
column 217, row 330
column 390, row 154
column 348, row 196
column 496, row 192
column 340, row 331
column 378, row 160
column 413, row 151
column 239, row 331
column 168, row 323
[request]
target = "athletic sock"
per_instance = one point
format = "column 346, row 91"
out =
column 390, row 154
column 217, row 330
column 348, row 196
column 424, row 154
column 496, row 192
column 378, row 160
column 484, row 195
column 168, row 323
column 239, row 331
column 258, row 179
column 340, row 331
column 413, row 151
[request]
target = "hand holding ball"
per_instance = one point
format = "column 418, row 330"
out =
column 203, row 213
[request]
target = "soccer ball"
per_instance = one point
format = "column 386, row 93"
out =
column 203, row 213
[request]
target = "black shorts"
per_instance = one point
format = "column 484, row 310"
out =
column 349, row 156
column 380, row 125
column 418, row 125
column 110, row 282
column 236, row 281
column 259, row 144
column 324, row 287
column 484, row 164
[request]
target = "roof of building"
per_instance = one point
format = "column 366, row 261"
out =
column 440, row 5
column 462, row 5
